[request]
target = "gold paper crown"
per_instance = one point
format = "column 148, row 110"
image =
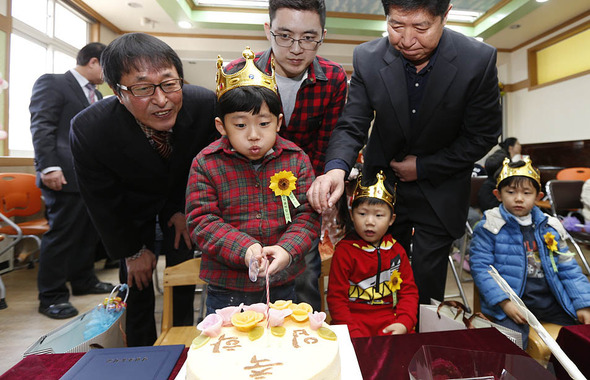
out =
column 249, row 75
column 378, row 190
column 527, row 170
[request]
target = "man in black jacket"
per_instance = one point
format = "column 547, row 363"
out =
column 433, row 95
column 68, row 248
column 132, row 154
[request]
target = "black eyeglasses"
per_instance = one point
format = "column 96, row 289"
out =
column 306, row 43
column 167, row 86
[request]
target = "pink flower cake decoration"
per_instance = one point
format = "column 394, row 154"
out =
column 316, row 320
column 277, row 317
column 227, row 312
column 211, row 325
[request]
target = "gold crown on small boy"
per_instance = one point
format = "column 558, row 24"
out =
column 377, row 190
column 527, row 170
column 249, row 75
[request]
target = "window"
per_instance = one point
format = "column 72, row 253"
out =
column 46, row 38
column 34, row 13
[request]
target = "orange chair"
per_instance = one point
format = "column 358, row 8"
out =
column 573, row 174
column 19, row 196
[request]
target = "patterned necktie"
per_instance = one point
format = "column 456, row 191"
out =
column 92, row 95
column 160, row 139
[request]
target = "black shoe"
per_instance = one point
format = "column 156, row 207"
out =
column 3, row 304
column 98, row 288
column 59, row 311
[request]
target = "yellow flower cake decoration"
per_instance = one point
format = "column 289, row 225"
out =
column 246, row 320
column 281, row 304
column 300, row 312
column 283, row 184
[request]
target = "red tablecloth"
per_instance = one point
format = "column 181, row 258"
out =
column 388, row 357
column 575, row 342
column 383, row 357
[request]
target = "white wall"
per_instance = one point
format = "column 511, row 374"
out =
column 557, row 112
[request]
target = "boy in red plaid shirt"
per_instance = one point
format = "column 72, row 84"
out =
column 234, row 214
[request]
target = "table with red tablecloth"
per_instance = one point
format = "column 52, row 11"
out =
column 383, row 357
column 575, row 342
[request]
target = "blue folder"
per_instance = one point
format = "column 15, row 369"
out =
column 146, row 363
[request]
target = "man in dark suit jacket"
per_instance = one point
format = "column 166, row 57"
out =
column 433, row 94
column 68, row 248
column 132, row 154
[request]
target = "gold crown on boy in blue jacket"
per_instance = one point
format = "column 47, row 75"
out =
column 249, row 75
column 377, row 190
column 527, row 170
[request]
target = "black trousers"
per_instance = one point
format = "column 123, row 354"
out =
column 307, row 284
column 140, row 320
column 67, row 249
column 425, row 240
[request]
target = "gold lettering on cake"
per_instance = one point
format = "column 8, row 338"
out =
column 230, row 344
column 260, row 370
column 310, row 340
column 307, row 340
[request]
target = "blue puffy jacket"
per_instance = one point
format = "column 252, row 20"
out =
column 498, row 241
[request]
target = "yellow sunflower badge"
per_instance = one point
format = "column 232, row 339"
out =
column 553, row 250
column 395, row 283
column 283, row 184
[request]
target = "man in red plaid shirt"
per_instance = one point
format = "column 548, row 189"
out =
column 312, row 91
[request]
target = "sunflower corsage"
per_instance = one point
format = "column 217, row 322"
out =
column 395, row 283
column 553, row 250
column 283, row 184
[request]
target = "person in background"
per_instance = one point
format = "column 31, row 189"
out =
column 528, row 249
column 509, row 148
column 132, row 154
column 312, row 91
column 432, row 98
column 371, row 286
column 246, row 201
column 585, row 198
column 68, row 248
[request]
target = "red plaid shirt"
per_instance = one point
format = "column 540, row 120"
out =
column 318, row 106
column 229, row 207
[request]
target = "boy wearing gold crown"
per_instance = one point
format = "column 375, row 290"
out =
column 371, row 285
column 527, row 248
column 246, row 198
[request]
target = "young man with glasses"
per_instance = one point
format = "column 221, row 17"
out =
column 312, row 91
column 132, row 154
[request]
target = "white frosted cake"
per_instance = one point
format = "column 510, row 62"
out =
column 241, row 343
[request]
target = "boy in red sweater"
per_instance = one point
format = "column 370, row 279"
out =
column 371, row 286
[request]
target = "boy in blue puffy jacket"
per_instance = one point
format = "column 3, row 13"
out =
column 527, row 248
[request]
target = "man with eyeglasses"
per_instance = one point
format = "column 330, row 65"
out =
column 431, row 97
column 312, row 91
column 132, row 154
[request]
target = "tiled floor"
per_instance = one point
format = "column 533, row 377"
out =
column 21, row 324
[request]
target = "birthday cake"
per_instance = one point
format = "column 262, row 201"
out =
column 285, row 341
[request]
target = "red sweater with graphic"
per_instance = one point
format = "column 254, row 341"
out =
column 371, row 287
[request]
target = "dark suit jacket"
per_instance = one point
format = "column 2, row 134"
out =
column 460, row 119
column 123, row 180
column 56, row 99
